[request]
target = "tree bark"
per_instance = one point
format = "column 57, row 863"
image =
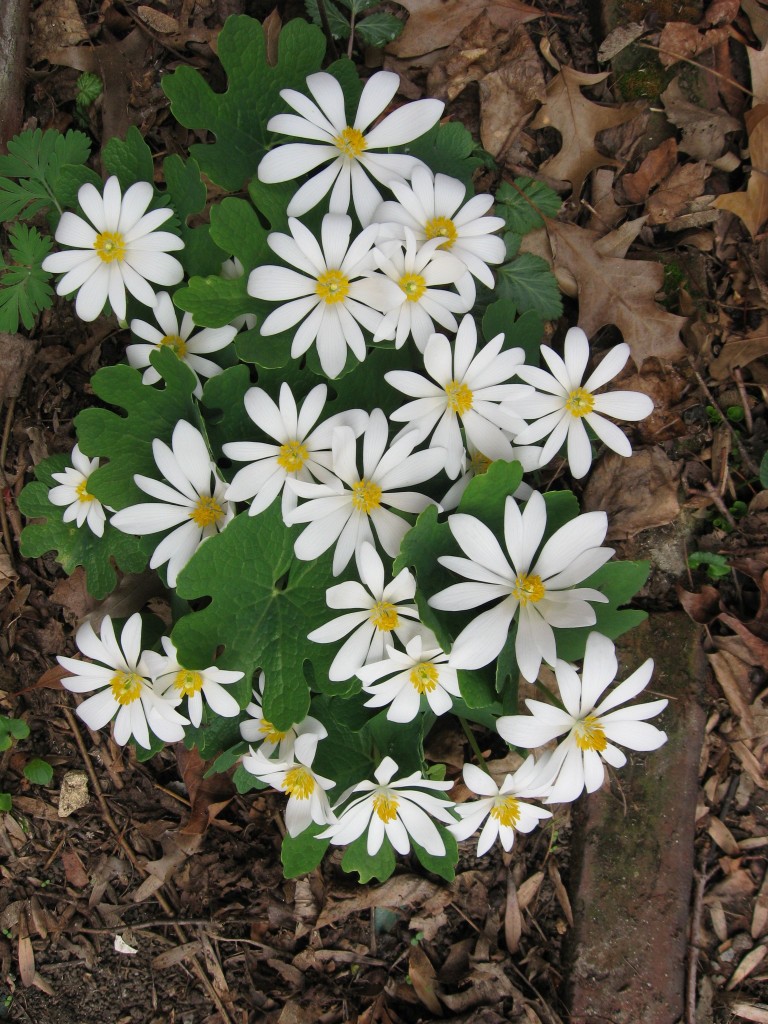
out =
column 14, row 39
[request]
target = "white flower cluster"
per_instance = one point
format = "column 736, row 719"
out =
column 355, row 479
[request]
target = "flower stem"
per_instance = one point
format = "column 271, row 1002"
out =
column 473, row 743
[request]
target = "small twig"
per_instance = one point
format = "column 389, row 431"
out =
column 748, row 462
column 327, row 28
column 744, row 399
column 697, row 64
column 3, row 452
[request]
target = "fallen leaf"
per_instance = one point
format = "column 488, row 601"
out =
column 750, row 1011
column 432, row 26
column 619, row 39
column 617, row 242
column 74, row 871
column 638, row 493
column 758, row 18
column 578, row 120
column 26, row 953
column 740, row 352
column 423, row 978
column 161, row 23
column 758, row 74
column 680, row 41
column 121, row 946
column 205, row 794
column 703, row 131
column 398, row 893
column 18, row 355
column 752, row 206
column 55, row 23
column 752, row 960
column 685, row 183
column 513, row 918
column 654, row 168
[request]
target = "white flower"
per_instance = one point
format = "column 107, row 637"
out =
column 503, row 806
column 307, row 800
column 399, row 810
column 120, row 673
column 192, row 500
column 301, row 452
column 419, row 671
column 257, row 729
column 465, row 387
column 567, row 403
column 379, row 611
column 416, row 270
column 432, row 208
column 475, row 463
column 190, row 348
column 541, row 588
column 231, row 270
column 591, row 727
column 118, row 249
column 330, row 295
column 350, row 147
column 169, row 676
column 72, row 491
column 346, row 514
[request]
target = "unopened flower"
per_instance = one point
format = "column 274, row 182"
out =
column 118, row 249
column 539, row 589
column 231, row 270
column 348, row 509
column 73, row 492
column 307, row 800
column 503, row 808
column 354, row 150
column 120, row 673
column 192, row 500
column 171, row 677
column 302, row 452
column 399, row 810
column 328, row 291
column 191, row 348
column 379, row 611
column 259, row 732
column 562, row 404
column 417, row 672
column 466, row 387
column 591, row 726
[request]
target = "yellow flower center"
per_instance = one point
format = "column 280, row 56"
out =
column 351, row 142
column 187, row 682
column 589, row 734
column 175, row 343
column 479, row 464
column 506, row 810
column 126, row 687
column 332, row 286
column 528, row 589
column 459, row 397
column 384, row 616
column 442, row 227
column 366, row 496
column 580, row 402
column 292, row 456
column 385, row 805
column 299, row 782
column 424, row 677
column 82, row 494
column 413, row 285
column 207, row 512
column 110, row 246
column 270, row 733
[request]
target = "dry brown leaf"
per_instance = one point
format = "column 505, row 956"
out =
column 529, row 889
column 560, row 891
column 433, row 24
column 750, row 1011
column 26, row 953
column 161, row 23
column 488, row 985
column 654, row 168
column 681, row 40
column 733, row 677
column 207, row 795
column 617, row 40
column 55, row 23
column 578, row 120
column 74, row 871
column 398, row 893
column 760, row 913
column 638, row 493
column 177, row 955
column 753, row 959
column 513, row 918
column 758, row 74
column 423, row 978
column 703, row 131
column 752, row 206
column 625, row 297
column 723, row 836
column 617, row 242
column 605, row 211
column 740, row 352
column 684, row 184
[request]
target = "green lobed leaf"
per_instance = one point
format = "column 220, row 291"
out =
column 448, row 149
column 214, row 301
column 188, row 195
column 403, row 742
column 238, row 117
column 245, row 782
column 337, row 22
column 379, row 865
column 304, row 852
column 130, row 159
column 24, row 287
column 15, row 727
column 525, row 332
column 529, row 282
column 525, row 203
column 486, row 495
column 38, row 772
column 263, row 604
column 445, row 864
column 99, row 556
column 379, row 29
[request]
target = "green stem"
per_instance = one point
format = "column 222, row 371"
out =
column 473, row 743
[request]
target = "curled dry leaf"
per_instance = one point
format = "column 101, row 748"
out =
column 655, row 167
column 423, row 978
column 752, row 206
column 703, row 131
column 433, row 25
column 617, row 40
column 681, row 41
column 513, row 918
column 740, row 351
column 676, row 193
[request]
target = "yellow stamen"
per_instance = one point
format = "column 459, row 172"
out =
column 187, row 682
column 351, row 142
column 589, row 734
column 332, row 286
column 413, row 285
column 82, row 494
column 110, row 246
column 506, row 811
column 385, row 805
column 442, row 227
column 479, row 464
column 528, row 589
column 299, row 782
column 384, row 616
column 459, row 397
column 580, row 402
column 424, row 677
column 175, row 343
column 292, row 456
column 126, row 687
column 207, row 512
column 270, row 733
column 366, row 496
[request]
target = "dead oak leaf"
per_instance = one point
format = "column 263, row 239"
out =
column 617, row 291
column 434, row 24
column 578, row 120
column 676, row 192
column 752, row 206
column 681, row 41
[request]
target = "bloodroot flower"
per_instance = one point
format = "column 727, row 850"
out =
column 72, row 491
column 118, row 249
column 170, row 677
